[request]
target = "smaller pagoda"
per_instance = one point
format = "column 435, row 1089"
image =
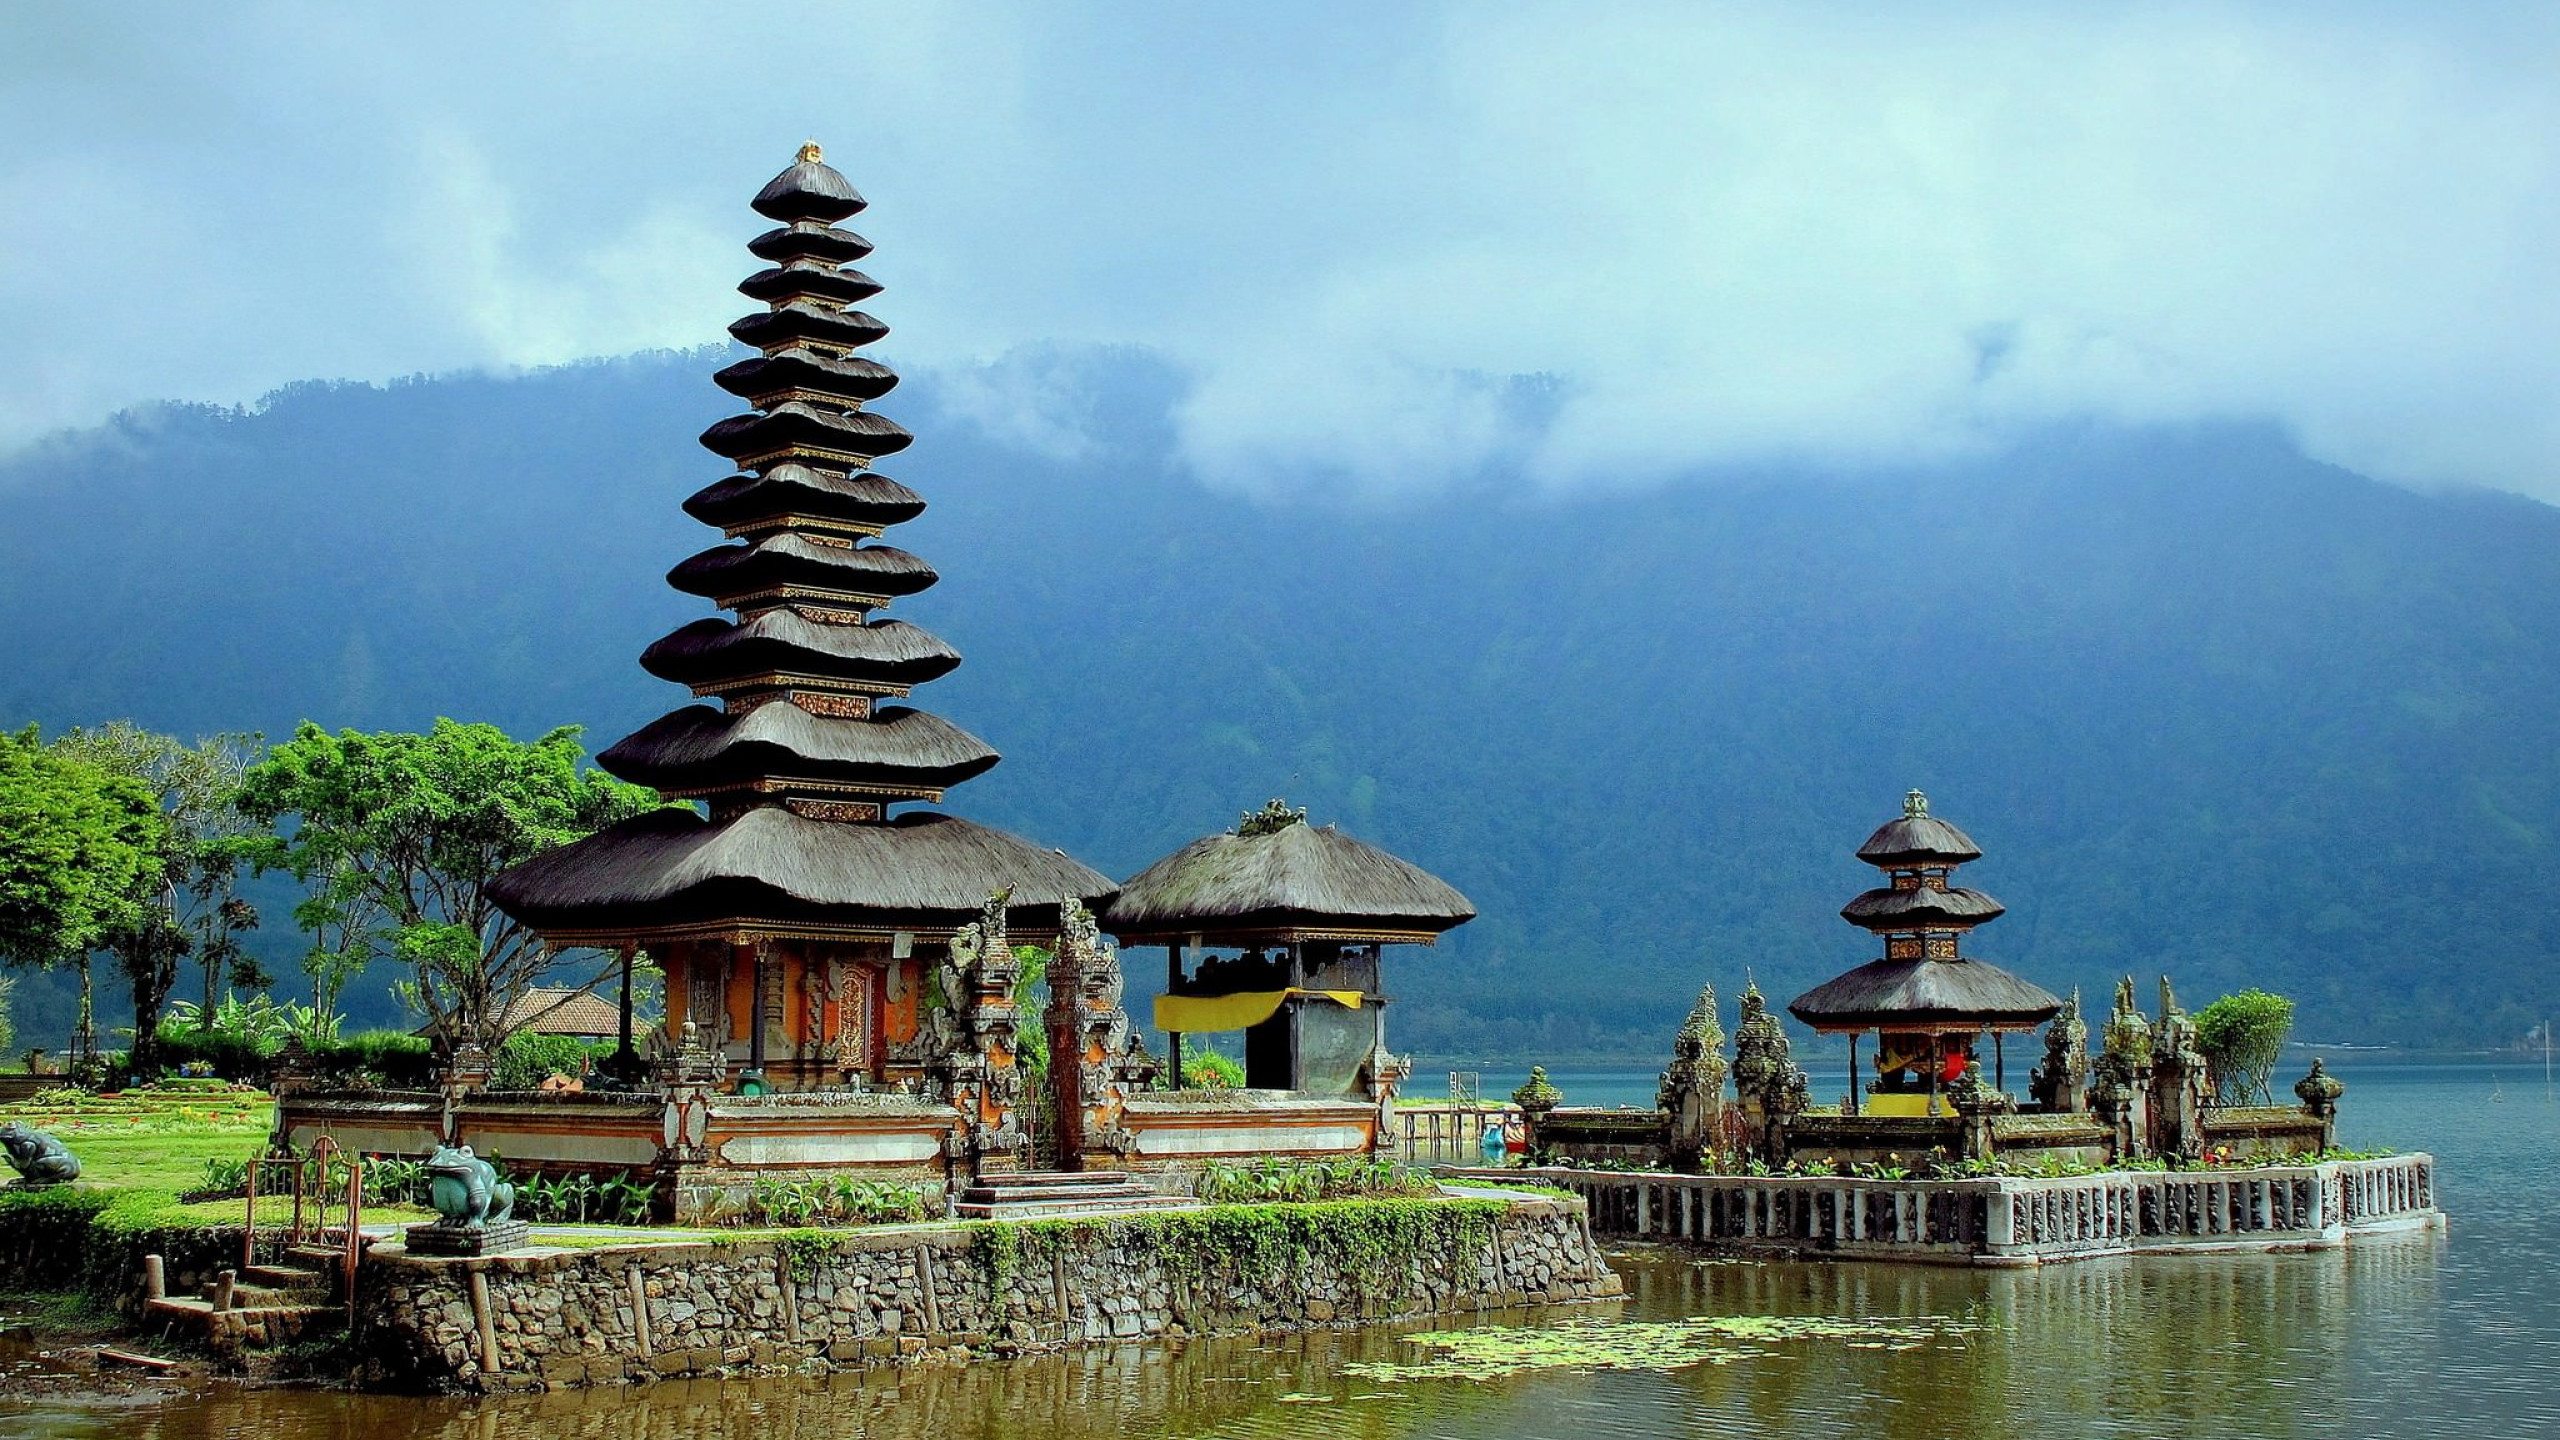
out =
column 1306, row 908
column 1927, row 1000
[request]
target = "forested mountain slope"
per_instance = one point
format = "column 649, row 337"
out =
column 2207, row 705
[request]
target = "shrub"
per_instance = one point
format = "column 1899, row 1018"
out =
column 1204, row 1069
column 2242, row 1037
column 527, row 1059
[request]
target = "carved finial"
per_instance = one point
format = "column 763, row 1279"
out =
column 1915, row 806
column 810, row 154
column 1272, row 817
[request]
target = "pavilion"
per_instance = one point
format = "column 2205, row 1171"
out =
column 1926, row 1000
column 1307, row 908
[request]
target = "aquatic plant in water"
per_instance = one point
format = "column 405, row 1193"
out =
column 1494, row 1351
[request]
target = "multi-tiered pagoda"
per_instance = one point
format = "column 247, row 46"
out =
column 1926, row 999
column 793, row 920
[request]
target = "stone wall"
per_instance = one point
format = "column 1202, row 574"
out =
column 640, row 1312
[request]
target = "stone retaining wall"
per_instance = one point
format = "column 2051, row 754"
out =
column 583, row 1317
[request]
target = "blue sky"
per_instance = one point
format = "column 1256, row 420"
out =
column 1868, row 235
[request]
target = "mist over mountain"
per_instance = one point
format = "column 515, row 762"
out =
column 2207, row 705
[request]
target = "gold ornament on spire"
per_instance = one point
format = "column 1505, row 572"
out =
column 810, row 154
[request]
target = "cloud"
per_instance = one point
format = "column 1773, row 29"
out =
column 1587, row 245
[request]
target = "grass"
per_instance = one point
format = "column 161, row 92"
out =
column 152, row 1141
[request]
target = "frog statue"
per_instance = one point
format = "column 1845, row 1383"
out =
column 39, row 1158
column 466, row 1190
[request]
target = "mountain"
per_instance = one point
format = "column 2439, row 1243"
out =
column 2208, row 706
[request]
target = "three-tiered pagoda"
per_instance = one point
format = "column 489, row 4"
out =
column 1926, row 998
column 792, row 920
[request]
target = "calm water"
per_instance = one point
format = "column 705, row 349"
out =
column 2453, row 1334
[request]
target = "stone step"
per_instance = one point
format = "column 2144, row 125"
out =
column 290, row 1277
column 984, row 1194
column 237, row 1331
column 247, row 1295
column 1044, row 1209
column 1012, row 1179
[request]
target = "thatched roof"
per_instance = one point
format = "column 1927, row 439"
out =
column 781, row 559
column 831, row 283
column 1912, row 909
column 547, row 1010
column 1299, row 879
column 1918, row 840
column 798, row 367
column 671, row 869
column 1925, row 994
column 699, row 748
column 884, row 652
column 800, row 321
column 810, row 190
column 864, row 499
column 809, row 240
column 794, row 422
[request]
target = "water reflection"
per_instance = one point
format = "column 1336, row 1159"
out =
column 2423, row 1335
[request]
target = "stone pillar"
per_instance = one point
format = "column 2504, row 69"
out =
column 1692, row 1091
column 1095, row 1062
column 973, row 1058
column 2060, row 1083
column 2178, row 1080
column 1535, row 1097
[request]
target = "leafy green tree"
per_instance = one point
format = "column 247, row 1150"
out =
column 78, row 845
column 8, row 1022
column 189, row 904
column 398, row 836
column 2242, row 1037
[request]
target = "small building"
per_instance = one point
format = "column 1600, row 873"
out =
column 1927, row 1001
column 551, row 1010
column 1306, row 910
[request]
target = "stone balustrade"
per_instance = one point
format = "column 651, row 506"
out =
column 2011, row 1220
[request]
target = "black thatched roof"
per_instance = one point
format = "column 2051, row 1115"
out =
column 801, row 323
column 870, row 501
column 1299, row 877
column 880, row 652
column 671, row 868
column 794, row 423
column 1910, row 909
column 810, row 190
column 829, row 283
column 809, row 240
column 1925, row 994
column 787, row 559
column 700, row 748
column 849, row 377
column 1918, row 840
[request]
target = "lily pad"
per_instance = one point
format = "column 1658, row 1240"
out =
column 1493, row 1351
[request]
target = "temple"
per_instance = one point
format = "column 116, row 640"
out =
column 843, row 961
column 793, row 921
column 1938, row 1092
column 1927, row 1000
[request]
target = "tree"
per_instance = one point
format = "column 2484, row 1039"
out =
column 398, row 835
column 188, row 905
column 2242, row 1037
column 78, row 844
column 8, row 1023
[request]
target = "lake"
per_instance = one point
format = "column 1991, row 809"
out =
column 2438, row 1334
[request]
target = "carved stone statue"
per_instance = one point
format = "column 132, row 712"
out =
column 2179, row 1079
column 39, row 1158
column 1772, row 1087
column 1692, row 1091
column 2319, row 1092
column 2060, row 1084
column 974, row 1057
column 2123, row 1073
column 1094, row 1063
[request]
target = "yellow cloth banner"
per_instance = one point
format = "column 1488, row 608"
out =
column 1182, row 1013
